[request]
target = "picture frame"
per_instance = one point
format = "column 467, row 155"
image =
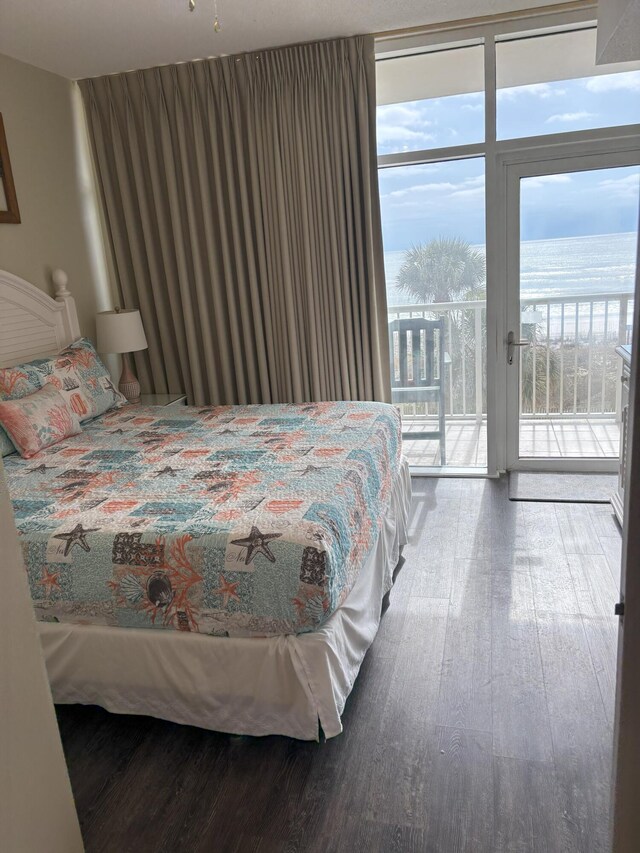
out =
column 9, row 210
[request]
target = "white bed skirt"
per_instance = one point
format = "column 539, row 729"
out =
column 280, row 685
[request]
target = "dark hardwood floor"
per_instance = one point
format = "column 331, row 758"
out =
column 481, row 720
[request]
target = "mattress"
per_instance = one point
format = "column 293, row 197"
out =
column 232, row 521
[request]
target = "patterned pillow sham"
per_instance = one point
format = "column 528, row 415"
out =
column 38, row 420
column 76, row 371
column 95, row 381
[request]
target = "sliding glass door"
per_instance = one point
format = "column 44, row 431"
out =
column 571, row 255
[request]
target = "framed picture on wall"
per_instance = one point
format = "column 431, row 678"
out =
column 9, row 211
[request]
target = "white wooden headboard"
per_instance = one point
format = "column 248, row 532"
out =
column 33, row 324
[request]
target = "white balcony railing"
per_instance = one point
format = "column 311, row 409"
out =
column 570, row 370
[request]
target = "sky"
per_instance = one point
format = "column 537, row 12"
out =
column 447, row 199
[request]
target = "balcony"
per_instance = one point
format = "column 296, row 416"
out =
column 569, row 379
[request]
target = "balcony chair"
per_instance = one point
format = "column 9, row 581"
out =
column 427, row 376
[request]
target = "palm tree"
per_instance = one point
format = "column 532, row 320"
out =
column 447, row 269
column 545, row 371
column 443, row 270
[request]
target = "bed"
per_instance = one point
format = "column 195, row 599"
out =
column 223, row 567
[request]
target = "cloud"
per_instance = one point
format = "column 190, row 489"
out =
column 477, row 192
column 473, row 107
column 625, row 188
column 538, row 90
column 442, row 186
column 396, row 133
column 401, row 114
column 420, row 193
column 542, row 180
column 626, row 81
column 569, row 117
column 403, row 127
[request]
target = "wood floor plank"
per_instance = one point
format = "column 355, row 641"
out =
column 544, row 536
column 460, row 794
column 348, row 782
column 429, row 510
column 432, row 567
column 136, row 813
column 508, row 529
column 474, row 539
column 96, row 770
column 602, row 638
column 520, row 717
column 528, row 818
column 582, row 740
column 407, row 730
column 603, row 520
column 552, row 582
column 612, row 549
column 595, row 591
column 465, row 686
column 578, row 533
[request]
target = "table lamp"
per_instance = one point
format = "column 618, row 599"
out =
column 121, row 331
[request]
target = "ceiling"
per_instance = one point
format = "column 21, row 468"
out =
column 86, row 38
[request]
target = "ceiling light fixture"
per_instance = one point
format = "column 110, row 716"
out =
column 216, row 22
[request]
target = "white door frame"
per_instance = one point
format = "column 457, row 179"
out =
column 619, row 150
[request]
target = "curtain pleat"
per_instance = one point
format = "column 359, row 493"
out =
column 241, row 201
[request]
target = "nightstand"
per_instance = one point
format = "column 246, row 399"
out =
column 163, row 399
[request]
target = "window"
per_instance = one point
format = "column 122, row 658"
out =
column 434, row 251
column 562, row 235
column 550, row 84
column 430, row 100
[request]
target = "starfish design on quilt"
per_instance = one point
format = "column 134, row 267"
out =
column 227, row 590
column 73, row 486
column 149, row 438
column 313, row 469
column 41, row 469
column 50, row 580
column 257, row 543
column 168, row 470
column 77, row 536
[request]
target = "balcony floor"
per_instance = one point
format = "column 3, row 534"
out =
column 466, row 441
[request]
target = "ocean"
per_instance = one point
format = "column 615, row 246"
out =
column 567, row 266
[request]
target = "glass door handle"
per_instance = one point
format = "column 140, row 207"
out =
column 512, row 343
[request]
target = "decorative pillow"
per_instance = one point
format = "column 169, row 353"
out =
column 75, row 371
column 38, row 420
column 95, row 382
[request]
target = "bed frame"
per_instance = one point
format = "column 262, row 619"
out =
column 32, row 324
column 294, row 685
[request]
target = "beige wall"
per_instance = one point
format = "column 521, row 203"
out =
column 37, row 812
column 55, row 190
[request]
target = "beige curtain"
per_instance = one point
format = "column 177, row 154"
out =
column 241, row 199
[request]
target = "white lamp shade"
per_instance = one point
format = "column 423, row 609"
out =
column 120, row 331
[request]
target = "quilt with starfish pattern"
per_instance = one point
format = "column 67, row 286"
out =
column 237, row 521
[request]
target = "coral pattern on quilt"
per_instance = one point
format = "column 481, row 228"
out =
column 238, row 521
column 76, row 371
